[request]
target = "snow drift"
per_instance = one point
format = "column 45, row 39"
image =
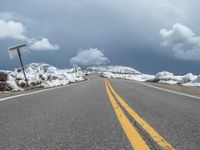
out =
column 40, row 75
column 45, row 75
column 113, row 69
column 128, row 73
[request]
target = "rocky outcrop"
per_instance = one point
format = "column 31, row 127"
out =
column 3, row 77
column 3, row 85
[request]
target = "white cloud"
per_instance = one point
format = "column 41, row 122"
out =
column 184, row 42
column 12, row 29
column 88, row 57
column 44, row 44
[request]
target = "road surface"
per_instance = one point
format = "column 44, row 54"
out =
column 100, row 115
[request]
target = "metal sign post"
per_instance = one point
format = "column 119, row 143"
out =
column 19, row 50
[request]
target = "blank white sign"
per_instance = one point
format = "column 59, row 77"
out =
column 13, row 53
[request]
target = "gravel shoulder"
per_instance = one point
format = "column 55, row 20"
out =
column 178, row 88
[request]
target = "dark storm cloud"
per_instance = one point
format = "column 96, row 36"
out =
column 127, row 31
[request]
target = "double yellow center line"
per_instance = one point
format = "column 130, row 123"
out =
column 131, row 132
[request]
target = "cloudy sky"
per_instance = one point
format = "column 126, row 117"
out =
column 149, row 35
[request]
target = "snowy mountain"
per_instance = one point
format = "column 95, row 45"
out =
column 41, row 75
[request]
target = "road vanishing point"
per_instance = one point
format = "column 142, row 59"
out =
column 100, row 114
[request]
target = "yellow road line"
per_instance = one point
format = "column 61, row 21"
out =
column 135, row 139
column 155, row 135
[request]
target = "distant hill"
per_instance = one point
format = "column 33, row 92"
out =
column 114, row 69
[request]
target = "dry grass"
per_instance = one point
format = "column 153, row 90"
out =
column 178, row 88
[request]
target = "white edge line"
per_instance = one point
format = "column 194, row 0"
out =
column 40, row 91
column 166, row 90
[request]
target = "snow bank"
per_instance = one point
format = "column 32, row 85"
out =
column 43, row 75
column 139, row 77
column 11, row 81
column 167, row 78
column 194, row 81
column 189, row 77
column 113, row 69
column 120, row 72
column 7, row 82
column 132, row 74
column 164, row 75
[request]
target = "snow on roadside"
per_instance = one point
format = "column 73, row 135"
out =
column 41, row 75
column 194, row 82
column 45, row 75
column 161, row 77
column 138, row 77
column 11, row 81
column 167, row 78
column 113, row 69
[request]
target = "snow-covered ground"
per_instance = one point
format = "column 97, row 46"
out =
column 45, row 75
column 170, row 78
column 42, row 75
column 128, row 73
column 113, row 69
column 137, row 77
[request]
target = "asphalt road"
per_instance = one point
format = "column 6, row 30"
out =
column 81, row 117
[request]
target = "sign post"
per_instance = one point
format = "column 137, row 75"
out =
column 19, row 50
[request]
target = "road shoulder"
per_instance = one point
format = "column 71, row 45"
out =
column 194, row 91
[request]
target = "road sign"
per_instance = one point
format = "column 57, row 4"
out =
column 19, row 50
column 23, row 50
